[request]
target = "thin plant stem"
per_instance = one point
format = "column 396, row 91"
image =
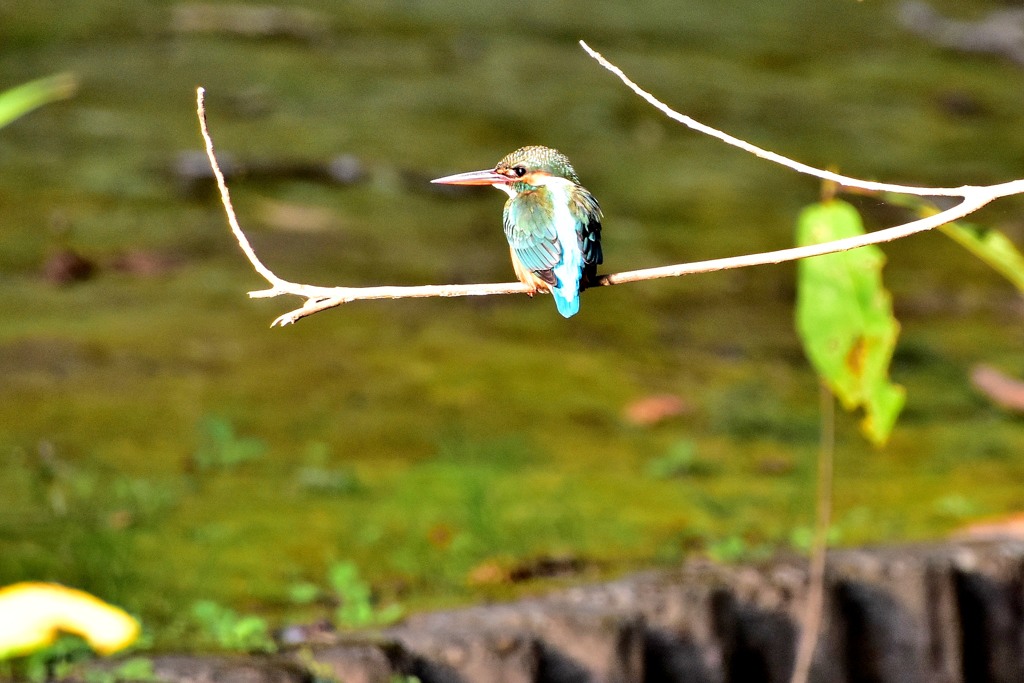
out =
column 814, row 609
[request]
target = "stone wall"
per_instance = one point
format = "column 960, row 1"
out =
column 922, row 614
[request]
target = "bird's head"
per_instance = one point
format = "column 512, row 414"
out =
column 525, row 168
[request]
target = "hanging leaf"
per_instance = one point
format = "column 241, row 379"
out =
column 844, row 318
column 992, row 247
column 988, row 244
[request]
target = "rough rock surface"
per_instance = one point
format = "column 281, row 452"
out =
column 949, row 613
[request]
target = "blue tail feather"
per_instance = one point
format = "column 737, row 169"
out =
column 567, row 291
column 567, row 273
column 567, row 306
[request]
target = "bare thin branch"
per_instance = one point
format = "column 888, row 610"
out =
column 967, row 206
column 343, row 295
column 225, row 197
column 322, row 298
column 845, row 181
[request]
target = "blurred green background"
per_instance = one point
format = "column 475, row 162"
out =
column 160, row 444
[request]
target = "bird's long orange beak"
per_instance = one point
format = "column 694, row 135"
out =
column 488, row 177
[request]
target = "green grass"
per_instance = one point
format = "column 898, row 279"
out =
column 423, row 439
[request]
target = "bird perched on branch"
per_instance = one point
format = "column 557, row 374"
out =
column 553, row 224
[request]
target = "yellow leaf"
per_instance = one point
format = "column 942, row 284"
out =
column 32, row 615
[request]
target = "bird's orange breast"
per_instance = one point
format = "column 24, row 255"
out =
column 528, row 277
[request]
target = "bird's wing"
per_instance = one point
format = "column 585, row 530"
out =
column 587, row 212
column 530, row 229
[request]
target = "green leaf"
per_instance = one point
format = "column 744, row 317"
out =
column 988, row 244
column 844, row 318
column 230, row 630
column 356, row 608
column 992, row 247
column 220, row 447
column 24, row 98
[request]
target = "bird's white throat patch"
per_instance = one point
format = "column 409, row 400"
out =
column 506, row 188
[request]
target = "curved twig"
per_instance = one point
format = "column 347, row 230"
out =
column 1012, row 187
column 322, row 298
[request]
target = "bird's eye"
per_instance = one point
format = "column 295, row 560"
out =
column 520, row 171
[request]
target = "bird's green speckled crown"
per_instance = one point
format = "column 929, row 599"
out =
column 539, row 158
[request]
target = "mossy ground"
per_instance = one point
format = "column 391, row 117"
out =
column 424, row 439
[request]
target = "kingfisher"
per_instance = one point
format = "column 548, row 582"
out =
column 552, row 222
